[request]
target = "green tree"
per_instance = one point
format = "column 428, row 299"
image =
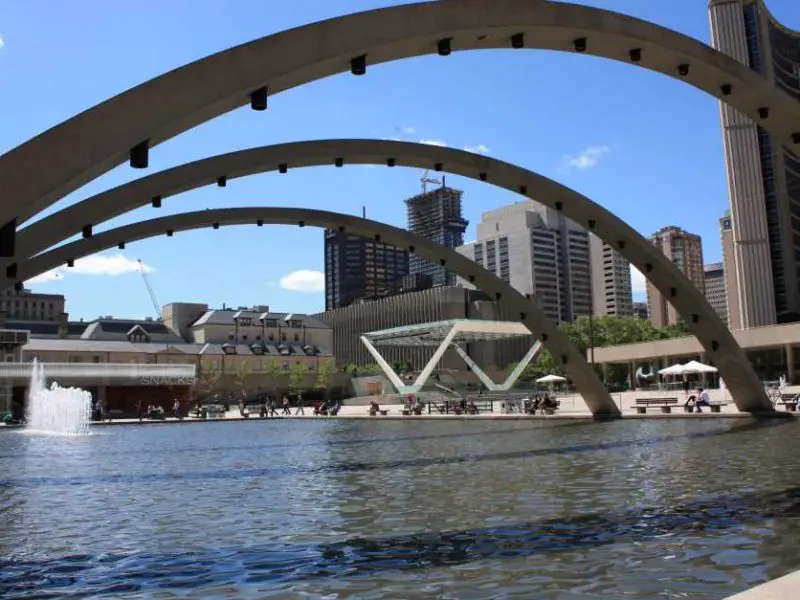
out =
column 297, row 375
column 207, row 380
column 241, row 376
column 323, row 377
column 274, row 373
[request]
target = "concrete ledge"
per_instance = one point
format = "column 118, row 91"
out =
column 783, row 588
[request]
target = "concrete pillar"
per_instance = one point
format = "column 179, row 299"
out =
column 789, row 364
column 632, row 375
column 604, row 369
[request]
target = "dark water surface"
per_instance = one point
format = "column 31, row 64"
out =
column 401, row 509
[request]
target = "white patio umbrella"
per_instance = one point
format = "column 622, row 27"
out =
column 551, row 379
column 693, row 367
column 672, row 370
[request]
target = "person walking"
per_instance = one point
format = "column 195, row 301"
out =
column 176, row 409
column 299, row 410
column 286, row 410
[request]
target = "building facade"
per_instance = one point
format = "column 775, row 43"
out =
column 539, row 252
column 436, row 215
column 716, row 293
column 611, row 280
column 25, row 306
column 640, row 310
column 763, row 176
column 359, row 268
column 685, row 250
column 410, row 308
column 729, row 269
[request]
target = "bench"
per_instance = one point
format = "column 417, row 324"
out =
column 788, row 401
column 215, row 411
column 665, row 404
column 382, row 413
column 116, row 413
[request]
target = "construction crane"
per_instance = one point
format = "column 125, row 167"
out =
column 153, row 299
column 426, row 180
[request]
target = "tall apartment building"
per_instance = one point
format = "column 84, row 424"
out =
column 539, row 252
column 729, row 269
column 763, row 176
column 714, row 276
column 358, row 268
column 685, row 250
column 436, row 215
column 611, row 280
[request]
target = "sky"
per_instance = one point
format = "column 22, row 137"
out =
column 645, row 146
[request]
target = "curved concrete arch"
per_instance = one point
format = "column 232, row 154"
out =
column 564, row 352
column 55, row 163
column 717, row 340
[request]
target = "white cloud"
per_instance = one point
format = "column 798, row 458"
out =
column 433, row 142
column 95, row 265
column 407, row 130
column 587, row 159
column 477, row 149
column 2, row 41
column 304, row 280
column 638, row 283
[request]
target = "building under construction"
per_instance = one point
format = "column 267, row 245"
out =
column 436, row 215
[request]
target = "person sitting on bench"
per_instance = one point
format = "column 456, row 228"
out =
column 703, row 399
column 374, row 409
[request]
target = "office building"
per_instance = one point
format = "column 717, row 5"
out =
column 729, row 268
column 715, row 290
column 539, row 252
column 763, row 176
column 611, row 280
column 30, row 307
column 640, row 310
column 685, row 250
column 436, row 215
column 359, row 268
column 410, row 308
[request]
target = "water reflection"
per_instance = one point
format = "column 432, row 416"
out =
column 634, row 508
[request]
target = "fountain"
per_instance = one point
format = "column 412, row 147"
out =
column 57, row 410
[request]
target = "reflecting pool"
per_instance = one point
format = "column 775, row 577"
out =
column 401, row 509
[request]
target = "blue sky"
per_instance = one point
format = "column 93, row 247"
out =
column 645, row 146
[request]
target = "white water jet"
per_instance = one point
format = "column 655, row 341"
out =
column 57, row 410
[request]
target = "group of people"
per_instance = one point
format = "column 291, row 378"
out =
column 269, row 408
column 540, row 402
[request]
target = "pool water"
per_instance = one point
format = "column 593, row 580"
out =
column 401, row 509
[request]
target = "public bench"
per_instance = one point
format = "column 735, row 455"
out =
column 789, row 402
column 665, row 404
column 116, row 413
column 215, row 411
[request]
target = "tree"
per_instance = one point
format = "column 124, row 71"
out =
column 207, row 380
column 274, row 372
column 297, row 375
column 323, row 377
column 241, row 376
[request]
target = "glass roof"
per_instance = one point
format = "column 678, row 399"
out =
column 432, row 334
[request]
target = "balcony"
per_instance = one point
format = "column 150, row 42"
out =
column 105, row 373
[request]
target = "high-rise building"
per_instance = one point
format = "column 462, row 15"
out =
column 715, row 290
column 729, row 268
column 763, row 176
column 640, row 310
column 539, row 252
column 611, row 280
column 358, row 268
column 436, row 215
column 685, row 250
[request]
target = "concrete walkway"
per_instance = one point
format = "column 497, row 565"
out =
column 783, row 588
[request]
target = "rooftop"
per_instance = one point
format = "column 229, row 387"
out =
column 432, row 334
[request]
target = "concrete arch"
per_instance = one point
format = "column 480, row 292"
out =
column 583, row 376
column 55, row 163
column 718, row 342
